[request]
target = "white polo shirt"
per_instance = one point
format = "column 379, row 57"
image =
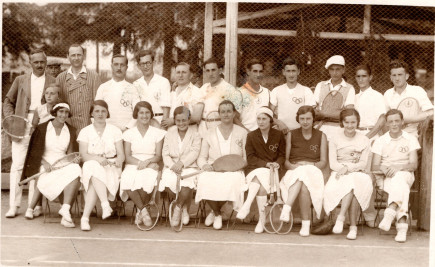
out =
column 395, row 151
column 188, row 97
column 393, row 99
column 251, row 101
column 121, row 97
column 350, row 99
column 370, row 105
column 157, row 93
column 36, row 90
column 287, row 102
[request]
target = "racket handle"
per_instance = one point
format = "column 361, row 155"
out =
column 25, row 181
column 190, row 175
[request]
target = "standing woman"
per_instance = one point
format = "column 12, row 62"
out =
column 102, row 152
column 348, row 155
column 306, row 155
column 265, row 148
column 180, row 152
column 143, row 150
column 219, row 187
column 51, row 141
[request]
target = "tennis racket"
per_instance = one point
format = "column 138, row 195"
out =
column 280, row 227
column 176, row 227
column 331, row 105
column 227, row 163
column 213, row 119
column 267, row 224
column 58, row 164
column 152, row 207
column 15, row 126
column 409, row 107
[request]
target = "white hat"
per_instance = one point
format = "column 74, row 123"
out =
column 334, row 60
column 264, row 110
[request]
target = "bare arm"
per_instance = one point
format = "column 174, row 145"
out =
column 323, row 153
column 378, row 126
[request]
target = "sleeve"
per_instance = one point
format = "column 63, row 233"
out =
column 413, row 143
column 309, row 97
column 117, row 134
column 127, row 136
column 387, row 100
column 197, row 96
column 251, row 154
column 167, row 160
column 31, row 164
column 377, row 146
column 350, row 99
column 99, row 95
column 423, row 99
column 97, row 83
column 333, row 163
column 273, row 97
column 380, row 105
column 281, row 150
column 317, row 93
column 235, row 96
column 165, row 93
column 83, row 135
column 364, row 158
column 160, row 134
column 193, row 154
column 10, row 99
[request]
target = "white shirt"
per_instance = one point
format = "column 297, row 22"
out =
column 224, row 145
column 55, row 146
column 83, row 70
column 393, row 99
column 143, row 147
column 370, row 105
column 251, row 101
column 36, row 89
column 188, row 97
column 121, row 97
column 350, row 99
column 288, row 101
column 157, row 93
column 103, row 145
column 395, row 151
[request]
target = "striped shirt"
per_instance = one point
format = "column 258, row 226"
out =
column 80, row 94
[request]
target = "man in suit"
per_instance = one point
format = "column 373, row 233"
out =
column 25, row 94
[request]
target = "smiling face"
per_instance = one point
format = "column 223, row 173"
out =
column 119, row 68
column 263, row 121
column 61, row 115
column 38, row 63
column 255, row 74
column 363, row 79
column 182, row 121
column 212, row 73
column 99, row 113
column 394, row 123
column 76, row 56
column 143, row 116
column 226, row 113
column 399, row 77
column 146, row 65
column 350, row 123
column 306, row 120
column 291, row 73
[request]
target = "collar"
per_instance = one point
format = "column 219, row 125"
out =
column 405, row 135
column 113, row 81
column 250, row 89
column 404, row 91
column 50, row 127
column 189, row 86
column 343, row 82
column 33, row 77
column 366, row 91
column 83, row 70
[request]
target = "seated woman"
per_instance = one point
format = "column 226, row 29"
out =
column 180, row 152
column 395, row 154
column 102, row 153
column 143, row 150
column 265, row 148
column 51, row 141
column 219, row 187
column 306, row 155
column 348, row 155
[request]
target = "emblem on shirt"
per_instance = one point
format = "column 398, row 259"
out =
column 274, row 147
column 258, row 100
column 314, row 148
column 297, row 100
column 157, row 96
column 239, row 142
column 403, row 149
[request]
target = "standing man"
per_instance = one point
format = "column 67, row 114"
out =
column 254, row 95
column 120, row 95
column 185, row 94
column 152, row 87
column 336, row 68
column 25, row 94
column 53, row 67
column 78, row 87
column 399, row 74
column 287, row 98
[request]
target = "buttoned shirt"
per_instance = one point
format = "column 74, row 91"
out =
column 188, row 97
column 370, row 105
column 350, row 99
column 36, row 89
column 395, row 151
column 251, row 101
column 83, row 70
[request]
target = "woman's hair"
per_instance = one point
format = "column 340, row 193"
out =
column 365, row 67
column 142, row 104
column 226, row 102
column 54, row 111
column 100, row 103
column 349, row 112
column 303, row 110
column 182, row 110
column 394, row 112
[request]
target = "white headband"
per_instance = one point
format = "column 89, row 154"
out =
column 265, row 110
column 62, row 105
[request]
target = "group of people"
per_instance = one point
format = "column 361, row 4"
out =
column 129, row 135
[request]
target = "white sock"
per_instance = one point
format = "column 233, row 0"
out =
column 66, row 207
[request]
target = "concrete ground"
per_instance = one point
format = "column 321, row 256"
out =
column 25, row 242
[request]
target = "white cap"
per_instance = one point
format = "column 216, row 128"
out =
column 334, row 60
column 264, row 110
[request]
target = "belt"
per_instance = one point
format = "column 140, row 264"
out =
column 31, row 111
column 365, row 128
column 158, row 114
column 209, row 120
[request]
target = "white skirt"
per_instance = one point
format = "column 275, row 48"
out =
column 221, row 186
column 134, row 179
column 335, row 190
column 312, row 177
column 263, row 175
column 109, row 175
column 51, row 184
column 169, row 179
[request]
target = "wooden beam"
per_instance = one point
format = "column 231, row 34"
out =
column 208, row 33
column 389, row 37
column 267, row 32
column 263, row 13
column 231, row 49
column 367, row 19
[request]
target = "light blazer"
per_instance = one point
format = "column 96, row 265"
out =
column 210, row 149
column 189, row 151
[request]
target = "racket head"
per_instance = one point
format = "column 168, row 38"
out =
column 332, row 103
column 409, row 106
column 154, row 213
column 267, row 224
column 229, row 163
column 213, row 119
column 66, row 160
column 16, row 126
column 179, row 225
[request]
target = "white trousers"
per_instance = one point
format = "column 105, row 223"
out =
column 398, row 188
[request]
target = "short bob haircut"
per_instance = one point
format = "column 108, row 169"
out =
column 397, row 64
column 53, row 112
column 394, row 112
column 305, row 109
column 365, row 67
column 142, row 104
column 100, row 103
column 181, row 110
column 349, row 112
column 226, row 102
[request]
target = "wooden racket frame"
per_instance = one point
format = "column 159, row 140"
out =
column 403, row 101
column 319, row 125
column 173, row 205
column 28, row 124
column 277, row 205
column 152, row 203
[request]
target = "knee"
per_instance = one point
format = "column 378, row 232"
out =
column 262, row 191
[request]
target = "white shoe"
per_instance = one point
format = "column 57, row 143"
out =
column 352, row 232
column 175, row 220
column 338, row 227
column 305, row 229
column 138, row 218
column 29, row 214
column 107, row 211
column 285, row 213
column 84, row 224
column 210, row 219
column 259, row 227
column 37, row 211
column 185, row 216
column 389, row 215
column 146, row 218
column 243, row 212
column 65, row 214
column 261, row 201
column 217, row 224
column 67, row 224
column 12, row 212
column 402, row 228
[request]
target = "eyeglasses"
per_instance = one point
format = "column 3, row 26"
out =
column 145, row 64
